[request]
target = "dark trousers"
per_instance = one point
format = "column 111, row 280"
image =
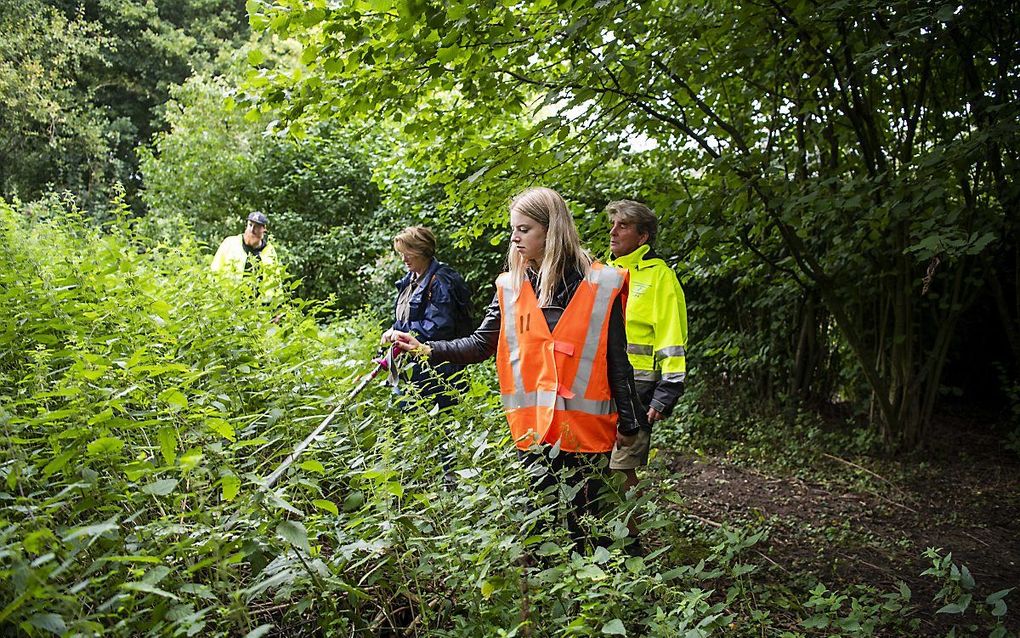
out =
column 574, row 479
column 441, row 384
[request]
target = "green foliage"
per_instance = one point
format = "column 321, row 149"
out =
column 215, row 165
column 821, row 156
column 82, row 84
column 142, row 402
column 958, row 593
column 862, row 613
column 333, row 222
column 48, row 132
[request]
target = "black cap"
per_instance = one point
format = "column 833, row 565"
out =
column 258, row 217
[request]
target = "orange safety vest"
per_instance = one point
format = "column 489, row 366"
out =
column 555, row 385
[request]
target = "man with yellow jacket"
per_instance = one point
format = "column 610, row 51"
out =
column 249, row 252
column 656, row 319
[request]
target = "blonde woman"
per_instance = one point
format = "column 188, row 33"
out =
column 556, row 327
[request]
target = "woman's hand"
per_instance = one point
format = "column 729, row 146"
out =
column 402, row 340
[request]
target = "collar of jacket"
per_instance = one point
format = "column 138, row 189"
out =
column 564, row 290
column 406, row 279
column 643, row 257
column 253, row 251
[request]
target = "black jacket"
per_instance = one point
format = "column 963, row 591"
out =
column 482, row 343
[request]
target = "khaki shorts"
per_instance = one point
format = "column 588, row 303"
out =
column 634, row 455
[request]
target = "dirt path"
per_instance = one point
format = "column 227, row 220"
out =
column 861, row 527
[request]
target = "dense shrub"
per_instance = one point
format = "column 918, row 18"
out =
column 142, row 402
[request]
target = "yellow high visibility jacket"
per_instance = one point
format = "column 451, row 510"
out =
column 656, row 320
column 230, row 261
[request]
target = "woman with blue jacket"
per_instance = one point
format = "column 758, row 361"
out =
column 432, row 303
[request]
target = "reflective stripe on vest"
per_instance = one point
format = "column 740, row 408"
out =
column 655, row 375
column 643, row 349
column 591, row 424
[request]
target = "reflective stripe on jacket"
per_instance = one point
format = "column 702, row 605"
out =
column 555, row 385
column 656, row 318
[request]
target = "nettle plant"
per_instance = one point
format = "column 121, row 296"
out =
column 142, row 405
column 959, row 598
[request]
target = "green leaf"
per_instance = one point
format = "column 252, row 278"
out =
column 102, row 417
column 487, row 589
column 137, row 469
column 312, row 466
column 635, row 564
column 53, row 623
column 105, row 446
column 92, row 531
column 965, row 578
column 294, row 533
column 594, row 572
column 148, row 588
column 259, row 631
column 354, row 500
column 394, row 488
column 309, row 54
column 191, row 459
column 273, row 499
column 230, row 485
column 448, row 54
column 548, row 548
column 224, row 429
column 905, row 592
column 958, row 607
column 37, row 540
column 256, row 57
column 167, row 438
column 156, row 574
column 162, row 309
column 999, row 609
column 614, row 628
column 328, row 506
column 57, row 463
column 161, row 487
column 174, row 398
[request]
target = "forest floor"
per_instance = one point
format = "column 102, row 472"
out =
column 869, row 520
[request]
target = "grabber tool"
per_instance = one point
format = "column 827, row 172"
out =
column 387, row 361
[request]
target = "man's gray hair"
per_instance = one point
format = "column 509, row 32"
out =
column 636, row 213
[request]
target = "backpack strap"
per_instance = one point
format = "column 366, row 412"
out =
column 428, row 289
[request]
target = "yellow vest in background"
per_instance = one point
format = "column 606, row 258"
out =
column 231, row 257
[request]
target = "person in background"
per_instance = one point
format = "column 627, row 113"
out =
column 432, row 301
column 656, row 328
column 557, row 330
column 249, row 252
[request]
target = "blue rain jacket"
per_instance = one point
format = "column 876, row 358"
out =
column 436, row 303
